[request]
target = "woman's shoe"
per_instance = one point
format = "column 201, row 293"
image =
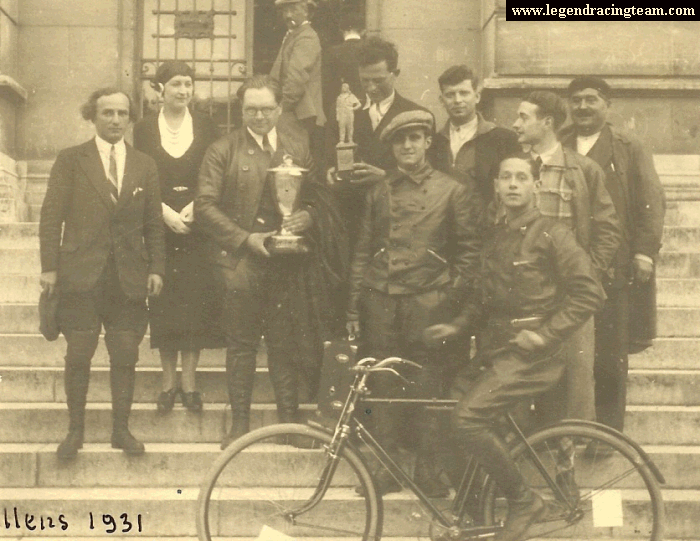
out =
column 192, row 401
column 166, row 400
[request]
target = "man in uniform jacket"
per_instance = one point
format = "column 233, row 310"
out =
column 297, row 69
column 288, row 298
column 638, row 196
column 468, row 147
column 415, row 259
column 102, row 252
column 573, row 191
column 378, row 70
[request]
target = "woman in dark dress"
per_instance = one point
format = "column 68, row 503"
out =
column 183, row 319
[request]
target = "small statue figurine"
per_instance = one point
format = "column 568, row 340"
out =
column 345, row 106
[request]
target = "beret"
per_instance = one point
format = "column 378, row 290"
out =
column 408, row 119
column 589, row 81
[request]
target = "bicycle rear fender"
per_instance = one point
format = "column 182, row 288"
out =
column 629, row 441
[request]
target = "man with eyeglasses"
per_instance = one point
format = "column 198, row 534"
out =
column 285, row 297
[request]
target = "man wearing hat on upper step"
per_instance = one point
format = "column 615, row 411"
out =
column 636, row 192
column 297, row 69
column 415, row 259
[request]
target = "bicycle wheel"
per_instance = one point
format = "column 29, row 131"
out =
column 264, row 484
column 611, row 493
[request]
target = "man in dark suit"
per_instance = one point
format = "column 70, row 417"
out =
column 378, row 70
column 285, row 297
column 468, row 147
column 638, row 197
column 297, row 69
column 340, row 64
column 104, row 195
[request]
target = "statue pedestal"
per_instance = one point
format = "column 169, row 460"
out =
column 345, row 157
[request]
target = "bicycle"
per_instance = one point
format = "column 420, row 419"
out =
column 299, row 481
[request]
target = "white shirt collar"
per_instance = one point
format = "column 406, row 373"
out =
column 382, row 105
column 105, row 148
column 584, row 143
column 271, row 137
column 547, row 156
column 351, row 34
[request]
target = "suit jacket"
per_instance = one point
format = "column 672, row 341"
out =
column 639, row 199
column 78, row 201
column 634, row 186
column 297, row 68
column 340, row 65
column 231, row 182
column 478, row 160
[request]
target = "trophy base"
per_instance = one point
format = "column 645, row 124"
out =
column 287, row 244
column 345, row 158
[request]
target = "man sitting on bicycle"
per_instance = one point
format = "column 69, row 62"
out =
column 537, row 287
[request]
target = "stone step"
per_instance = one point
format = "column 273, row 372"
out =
column 669, row 354
column 19, row 288
column 170, row 512
column 42, row 422
column 678, row 265
column 25, row 260
column 45, row 384
column 681, row 238
column 678, row 292
column 24, row 236
column 19, row 318
column 686, row 213
column 34, row 350
column 98, row 465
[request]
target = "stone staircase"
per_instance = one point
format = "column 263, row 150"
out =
column 161, row 486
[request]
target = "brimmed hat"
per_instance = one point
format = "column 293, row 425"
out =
column 408, row 119
column 589, row 81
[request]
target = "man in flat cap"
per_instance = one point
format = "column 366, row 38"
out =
column 297, row 69
column 415, row 259
column 638, row 197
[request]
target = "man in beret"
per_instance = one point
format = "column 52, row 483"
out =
column 638, row 197
column 297, row 69
column 415, row 259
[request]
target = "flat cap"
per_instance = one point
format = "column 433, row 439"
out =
column 408, row 119
column 589, row 81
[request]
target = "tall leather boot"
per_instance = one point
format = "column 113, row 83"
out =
column 122, row 380
column 240, row 377
column 524, row 506
column 77, row 379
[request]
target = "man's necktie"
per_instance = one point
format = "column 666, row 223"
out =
column 538, row 164
column 267, row 147
column 113, row 178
